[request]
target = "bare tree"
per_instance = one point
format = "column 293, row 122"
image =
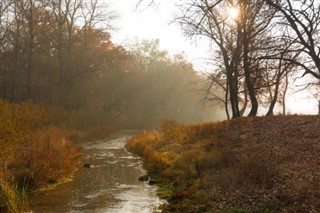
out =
column 5, row 7
column 282, row 70
column 313, row 90
column 214, row 87
column 74, row 22
column 64, row 13
column 24, row 18
column 27, row 12
column 302, row 18
column 204, row 18
column 238, row 41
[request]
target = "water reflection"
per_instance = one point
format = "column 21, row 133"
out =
column 110, row 186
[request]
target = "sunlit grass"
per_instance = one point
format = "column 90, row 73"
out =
column 35, row 151
column 10, row 199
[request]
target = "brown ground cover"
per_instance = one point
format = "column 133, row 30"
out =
column 261, row 164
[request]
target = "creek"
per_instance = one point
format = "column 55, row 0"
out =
column 110, row 186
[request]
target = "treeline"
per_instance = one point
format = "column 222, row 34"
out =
column 259, row 50
column 59, row 53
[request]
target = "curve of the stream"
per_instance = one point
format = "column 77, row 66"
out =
column 110, row 186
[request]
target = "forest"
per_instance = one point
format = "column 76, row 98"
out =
column 63, row 80
column 57, row 53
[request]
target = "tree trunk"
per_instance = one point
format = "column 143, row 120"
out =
column 246, row 66
column 276, row 90
column 284, row 96
column 273, row 103
column 62, row 72
column 233, row 95
column 29, row 94
column 226, row 102
column 243, row 109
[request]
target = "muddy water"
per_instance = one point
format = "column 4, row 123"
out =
column 111, row 185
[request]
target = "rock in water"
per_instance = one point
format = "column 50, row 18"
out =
column 87, row 165
column 143, row 178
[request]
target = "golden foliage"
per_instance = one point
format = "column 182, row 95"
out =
column 34, row 149
column 46, row 156
column 9, row 198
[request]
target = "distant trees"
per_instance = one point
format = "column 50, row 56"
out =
column 150, row 86
column 5, row 7
column 170, row 85
column 56, row 52
column 59, row 53
column 41, row 38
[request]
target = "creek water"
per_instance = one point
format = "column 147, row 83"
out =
column 111, row 185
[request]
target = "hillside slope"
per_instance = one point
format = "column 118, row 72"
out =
column 262, row 164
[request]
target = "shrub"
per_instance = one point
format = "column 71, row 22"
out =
column 172, row 131
column 34, row 149
column 46, row 156
column 8, row 131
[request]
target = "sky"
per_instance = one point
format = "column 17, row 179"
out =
column 154, row 23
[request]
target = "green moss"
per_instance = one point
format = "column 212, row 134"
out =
column 165, row 191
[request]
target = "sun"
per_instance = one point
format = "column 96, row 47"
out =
column 234, row 12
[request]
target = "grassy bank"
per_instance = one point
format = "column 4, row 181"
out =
column 264, row 164
column 39, row 149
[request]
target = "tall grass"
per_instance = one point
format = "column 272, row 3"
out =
column 10, row 200
column 35, row 150
column 45, row 157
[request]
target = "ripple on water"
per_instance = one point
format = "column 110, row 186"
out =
column 112, row 186
column 125, row 186
column 111, row 144
column 94, row 195
column 130, row 157
column 103, row 155
column 140, row 199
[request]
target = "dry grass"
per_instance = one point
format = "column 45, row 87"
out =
column 35, row 150
column 38, row 147
column 9, row 198
column 45, row 157
column 264, row 164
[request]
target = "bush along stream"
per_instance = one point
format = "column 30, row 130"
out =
column 35, row 152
